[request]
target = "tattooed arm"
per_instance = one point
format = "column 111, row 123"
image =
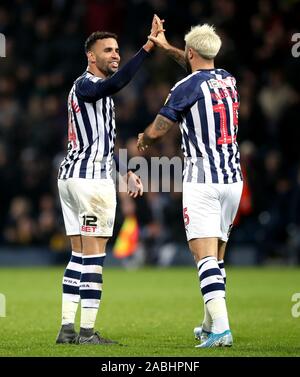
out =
column 156, row 130
column 161, row 42
column 177, row 55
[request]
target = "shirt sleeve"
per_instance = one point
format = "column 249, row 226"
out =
column 181, row 97
column 90, row 89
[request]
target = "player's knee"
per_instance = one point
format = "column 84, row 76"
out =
column 203, row 247
column 94, row 245
column 76, row 243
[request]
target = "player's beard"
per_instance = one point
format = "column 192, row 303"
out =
column 104, row 67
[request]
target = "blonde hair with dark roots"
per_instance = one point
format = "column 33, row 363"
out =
column 204, row 40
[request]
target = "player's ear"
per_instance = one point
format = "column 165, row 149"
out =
column 91, row 57
column 190, row 53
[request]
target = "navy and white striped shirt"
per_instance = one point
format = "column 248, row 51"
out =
column 205, row 104
column 91, row 122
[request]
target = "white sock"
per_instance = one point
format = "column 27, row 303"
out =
column 218, row 311
column 207, row 321
column 88, row 317
column 69, row 309
column 90, row 289
column 212, row 287
column 71, row 297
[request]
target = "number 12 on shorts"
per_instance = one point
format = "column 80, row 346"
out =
column 89, row 224
column 89, row 220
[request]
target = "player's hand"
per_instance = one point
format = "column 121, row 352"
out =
column 156, row 28
column 134, row 185
column 141, row 146
column 159, row 39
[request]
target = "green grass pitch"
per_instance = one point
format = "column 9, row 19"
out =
column 152, row 312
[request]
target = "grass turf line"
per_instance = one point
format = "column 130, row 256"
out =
column 152, row 312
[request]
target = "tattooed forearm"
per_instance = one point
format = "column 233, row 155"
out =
column 177, row 55
column 161, row 125
column 157, row 129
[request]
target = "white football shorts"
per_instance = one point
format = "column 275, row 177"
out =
column 209, row 209
column 88, row 206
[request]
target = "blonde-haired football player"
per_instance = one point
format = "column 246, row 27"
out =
column 204, row 40
column 205, row 105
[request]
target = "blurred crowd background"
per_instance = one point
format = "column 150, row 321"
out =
column 45, row 54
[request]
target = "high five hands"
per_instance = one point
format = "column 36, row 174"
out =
column 158, row 38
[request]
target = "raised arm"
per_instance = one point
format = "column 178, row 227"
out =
column 177, row 55
column 161, row 42
column 90, row 89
